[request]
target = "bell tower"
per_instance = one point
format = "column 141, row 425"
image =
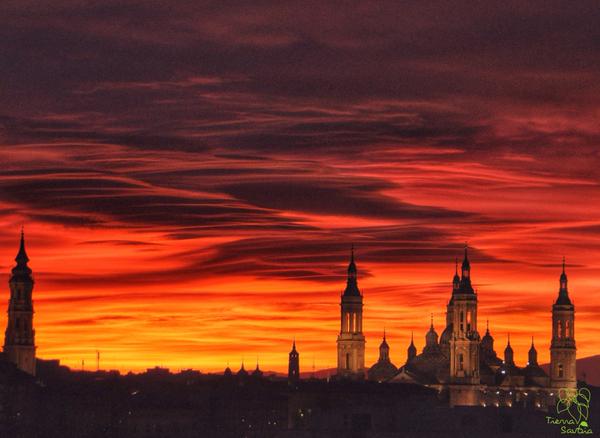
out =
column 351, row 341
column 563, row 373
column 19, row 339
column 464, row 343
column 294, row 366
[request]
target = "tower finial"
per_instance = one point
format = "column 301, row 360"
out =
column 509, row 338
column 22, row 254
column 352, row 252
column 487, row 325
column 532, row 340
column 456, row 265
column 412, row 336
column 431, row 319
column 384, row 332
column 564, row 259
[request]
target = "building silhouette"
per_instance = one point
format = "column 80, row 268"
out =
column 464, row 365
column 19, row 338
column 351, row 341
column 293, row 366
column 383, row 369
column 562, row 348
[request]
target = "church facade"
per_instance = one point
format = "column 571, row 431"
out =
column 460, row 362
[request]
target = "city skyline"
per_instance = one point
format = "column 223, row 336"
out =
column 23, row 256
column 191, row 175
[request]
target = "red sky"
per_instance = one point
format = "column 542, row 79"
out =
column 191, row 177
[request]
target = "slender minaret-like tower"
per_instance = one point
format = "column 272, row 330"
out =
column 19, row 338
column 563, row 373
column 412, row 350
column 294, row 366
column 351, row 341
column 464, row 344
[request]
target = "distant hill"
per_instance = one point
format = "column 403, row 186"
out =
column 319, row 374
column 590, row 366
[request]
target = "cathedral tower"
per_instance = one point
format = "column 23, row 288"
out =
column 562, row 348
column 351, row 341
column 464, row 343
column 294, row 366
column 19, row 339
column 447, row 333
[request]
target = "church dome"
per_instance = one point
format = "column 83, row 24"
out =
column 446, row 335
column 487, row 342
column 382, row 371
column 431, row 338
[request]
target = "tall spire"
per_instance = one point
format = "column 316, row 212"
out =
column 352, row 286
column 21, row 271
column 21, row 257
column 466, row 258
column 508, row 353
column 487, row 326
column 412, row 350
column 563, row 292
column 465, row 281
column 431, row 326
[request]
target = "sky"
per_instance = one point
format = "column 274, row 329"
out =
column 191, row 175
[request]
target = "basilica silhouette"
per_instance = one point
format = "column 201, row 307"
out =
column 461, row 362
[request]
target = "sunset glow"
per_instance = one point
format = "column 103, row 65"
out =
column 191, row 209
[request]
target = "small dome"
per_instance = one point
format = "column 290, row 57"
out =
column 487, row 341
column 431, row 338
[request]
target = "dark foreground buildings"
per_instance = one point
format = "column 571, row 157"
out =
column 62, row 403
column 40, row 398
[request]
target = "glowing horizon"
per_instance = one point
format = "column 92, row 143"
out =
column 191, row 177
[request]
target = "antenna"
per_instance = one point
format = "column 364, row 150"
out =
column 97, row 360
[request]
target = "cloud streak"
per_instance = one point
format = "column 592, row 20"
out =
column 194, row 175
